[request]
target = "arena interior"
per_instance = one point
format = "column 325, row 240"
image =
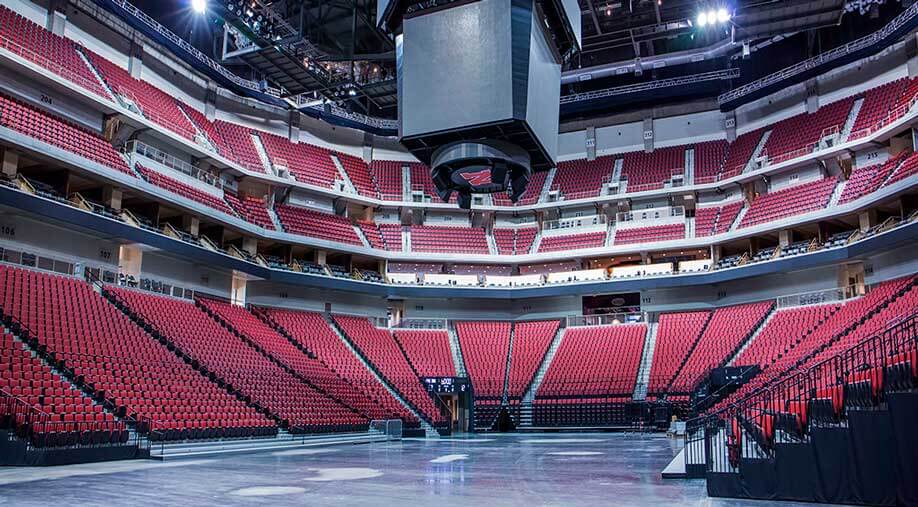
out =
column 458, row 252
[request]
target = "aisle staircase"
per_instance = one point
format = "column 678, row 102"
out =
column 363, row 237
column 535, row 243
column 739, row 217
column 345, row 177
column 455, row 350
column 549, row 181
column 275, row 220
column 504, row 397
column 837, row 192
column 643, row 377
column 492, row 243
column 851, row 120
column 406, row 183
column 757, row 152
column 529, row 396
column 263, row 155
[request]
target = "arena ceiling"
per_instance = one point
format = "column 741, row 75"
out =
column 334, row 51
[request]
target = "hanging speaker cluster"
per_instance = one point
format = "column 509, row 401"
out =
column 486, row 167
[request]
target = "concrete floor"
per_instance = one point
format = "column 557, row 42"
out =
column 481, row 470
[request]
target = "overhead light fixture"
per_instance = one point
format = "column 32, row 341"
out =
column 199, row 6
column 352, row 92
column 713, row 17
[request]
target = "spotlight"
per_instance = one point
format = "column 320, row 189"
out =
column 722, row 15
column 352, row 92
column 199, row 6
column 702, row 19
column 712, row 17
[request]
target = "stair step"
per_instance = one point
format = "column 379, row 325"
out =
column 280, row 442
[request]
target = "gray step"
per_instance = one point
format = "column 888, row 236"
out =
column 283, row 441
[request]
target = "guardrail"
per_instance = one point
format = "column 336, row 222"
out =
column 603, row 319
column 422, row 324
column 821, row 296
column 859, row 377
column 135, row 147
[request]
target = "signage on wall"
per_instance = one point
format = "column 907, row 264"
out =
column 8, row 231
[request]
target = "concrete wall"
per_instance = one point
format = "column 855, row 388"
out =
column 62, row 243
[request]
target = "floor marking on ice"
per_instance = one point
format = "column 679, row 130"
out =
column 449, row 458
column 472, row 440
column 562, row 440
column 302, row 452
column 575, row 453
column 268, row 491
column 342, row 474
column 31, row 474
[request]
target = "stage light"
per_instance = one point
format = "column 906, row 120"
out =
column 713, row 17
column 352, row 92
column 199, row 6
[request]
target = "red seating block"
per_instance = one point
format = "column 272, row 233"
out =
column 251, row 209
column 676, row 334
column 428, row 351
column 649, row 171
column 449, row 239
column 650, row 234
column 45, row 127
column 789, row 201
column 316, row 224
column 157, row 105
column 388, row 177
column 382, row 349
column 580, row 179
column 307, row 163
column 211, row 200
column 57, row 54
column 232, row 141
column 572, row 241
column 311, row 331
column 712, row 220
column 595, row 362
column 726, row 330
column 247, row 370
column 120, row 361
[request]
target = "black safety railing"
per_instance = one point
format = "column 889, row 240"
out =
column 41, row 429
column 857, row 378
